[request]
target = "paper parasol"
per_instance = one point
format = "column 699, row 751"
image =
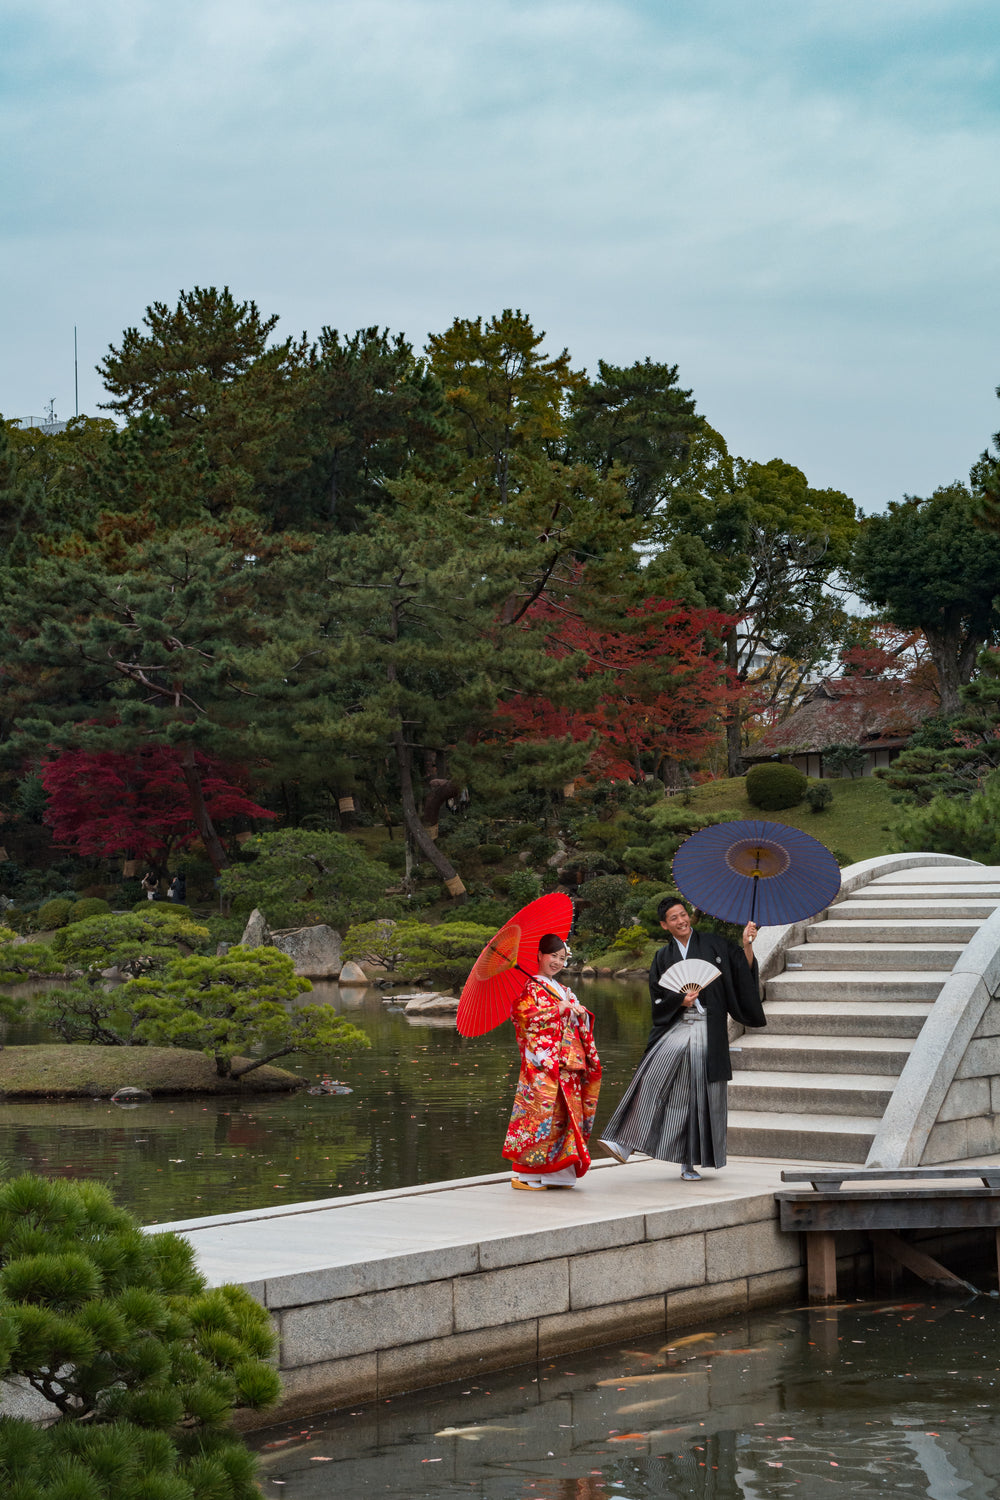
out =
column 509, row 958
column 753, row 871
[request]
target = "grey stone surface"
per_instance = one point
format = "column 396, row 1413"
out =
column 352, row 973
column 982, row 1058
column 322, row 1386
column 511, row 1295
column 777, row 1286
column 924, row 1082
column 688, row 1218
column 564, row 1333
column 693, row 1304
column 256, row 934
column 967, row 1096
column 990, row 1024
column 430, row 1003
column 315, row 951
column 379, row 1273
column 995, row 1096
column 636, row 1271
column 749, row 1250
column 455, row 1357
column 358, row 1325
column 569, row 1239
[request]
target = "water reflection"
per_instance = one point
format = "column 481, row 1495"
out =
column 427, row 1105
column 892, row 1398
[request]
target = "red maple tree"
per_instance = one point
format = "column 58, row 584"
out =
column 664, row 687
column 137, row 802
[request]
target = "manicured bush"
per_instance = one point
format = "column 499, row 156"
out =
column 142, row 1363
column 771, row 786
column 89, row 906
column 54, row 913
column 523, row 886
column 490, row 854
column 819, row 796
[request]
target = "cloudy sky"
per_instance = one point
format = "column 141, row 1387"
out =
column 794, row 200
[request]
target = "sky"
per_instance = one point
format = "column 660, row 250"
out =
column 795, row 201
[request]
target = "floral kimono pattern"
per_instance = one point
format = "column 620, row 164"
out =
column 557, row 1089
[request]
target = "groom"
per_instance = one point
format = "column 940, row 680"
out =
column 735, row 993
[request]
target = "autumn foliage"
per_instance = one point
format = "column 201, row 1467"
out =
column 663, row 687
column 109, row 802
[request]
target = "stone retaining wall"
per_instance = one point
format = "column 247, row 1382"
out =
column 365, row 1332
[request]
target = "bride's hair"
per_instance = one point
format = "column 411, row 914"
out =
column 551, row 943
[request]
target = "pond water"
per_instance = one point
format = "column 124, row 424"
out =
column 426, row 1105
column 870, row 1399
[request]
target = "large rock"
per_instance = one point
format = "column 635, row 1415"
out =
column 428, row 1002
column 352, row 973
column 256, row 934
column 315, row 951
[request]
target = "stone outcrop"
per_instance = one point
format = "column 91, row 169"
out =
column 315, row 951
column 427, row 1002
column 352, row 973
column 256, row 934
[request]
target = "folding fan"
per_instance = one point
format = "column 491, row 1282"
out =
column 689, row 971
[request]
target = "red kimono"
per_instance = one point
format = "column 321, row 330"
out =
column 557, row 1089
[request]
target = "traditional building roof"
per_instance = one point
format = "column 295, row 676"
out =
column 873, row 712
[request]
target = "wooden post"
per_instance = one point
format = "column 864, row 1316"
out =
column 821, row 1265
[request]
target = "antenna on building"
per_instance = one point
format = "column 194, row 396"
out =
column 50, row 415
column 76, row 375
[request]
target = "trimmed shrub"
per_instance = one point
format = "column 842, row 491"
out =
column 490, row 854
column 89, row 906
column 819, row 796
column 523, row 886
column 771, row 786
column 54, row 913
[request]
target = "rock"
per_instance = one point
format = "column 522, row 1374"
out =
column 256, row 934
column 428, row 1002
column 315, row 951
column 130, row 1095
column 221, row 949
column 588, row 972
column 352, row 973
column 631, row 973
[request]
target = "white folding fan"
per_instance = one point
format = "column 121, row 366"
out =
column 689, row 971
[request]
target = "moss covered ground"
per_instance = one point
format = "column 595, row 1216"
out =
column 858, row 823
column 63, row 1071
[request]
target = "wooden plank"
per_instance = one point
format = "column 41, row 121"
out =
column 815, row 1212
column 915, row 1260
column 940, row 1192
column 821, row 1267
column 832, row 1177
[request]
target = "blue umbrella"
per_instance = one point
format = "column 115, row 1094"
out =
column 754, row 871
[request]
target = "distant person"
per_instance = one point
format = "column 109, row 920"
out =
column 178, row 888
column 150, row 885
column 675, row 1107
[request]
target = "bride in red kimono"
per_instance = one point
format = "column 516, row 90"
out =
column 559, row 1081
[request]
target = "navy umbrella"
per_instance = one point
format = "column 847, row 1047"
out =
column 754, row 871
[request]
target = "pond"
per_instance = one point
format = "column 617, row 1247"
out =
column 871, row 1399
column 426, row 1105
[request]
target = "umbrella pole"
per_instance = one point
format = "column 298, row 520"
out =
column 753, row 898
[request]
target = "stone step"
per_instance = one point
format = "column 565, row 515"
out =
column 936, row 879
column 840, row 1139
column 915, row 911
column 836, row 986
column 812, row 1093
column 874, row 955
column 888, row 1018
column 805, row 1053
column 982, row 895
column 931, row 929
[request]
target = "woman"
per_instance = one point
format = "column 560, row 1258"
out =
column 559, row 1081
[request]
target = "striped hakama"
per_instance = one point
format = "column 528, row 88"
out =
column 670, row 1110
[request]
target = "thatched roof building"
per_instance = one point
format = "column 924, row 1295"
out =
column 878, row 715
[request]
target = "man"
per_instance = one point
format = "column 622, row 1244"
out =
column 675, row 1106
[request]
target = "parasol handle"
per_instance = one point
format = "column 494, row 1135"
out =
column 753, row 899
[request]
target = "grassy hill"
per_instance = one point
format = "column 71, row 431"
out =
column 858, row 823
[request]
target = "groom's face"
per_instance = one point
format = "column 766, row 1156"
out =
column 677, row 922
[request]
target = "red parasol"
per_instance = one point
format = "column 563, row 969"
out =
column 499, row 972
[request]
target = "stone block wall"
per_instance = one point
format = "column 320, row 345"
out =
column 968, row 1122
column 413, row 1321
